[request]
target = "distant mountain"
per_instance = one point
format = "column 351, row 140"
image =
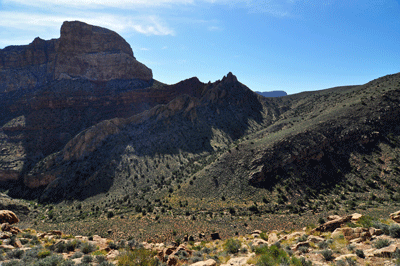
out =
column 215, row 145
column 272, row 93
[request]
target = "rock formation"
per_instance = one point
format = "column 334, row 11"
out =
column 82, row 51
column 9, row 217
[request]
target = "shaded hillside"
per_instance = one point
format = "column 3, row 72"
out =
column 145, row 152
column 327, row 143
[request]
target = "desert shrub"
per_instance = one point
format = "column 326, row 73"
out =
column 302, row 238
column 340, row 263
column 43, row 253
column 54, row 259
column 110, row 214
column 71, row 245
column 366, row 221
column 87, row 248
column 106, row 263
column 382, row 226
column 264, row 236
column 300, row 262
column 112, row 245
column 100, row 258
column 60, row 247
column 15, row 253
column 35, row 241
column 76, row 255
column 327, row 254
column 273, row 256
column 351, row 247
column 323, row 245
column 195, row 259
column 121, row 244
column 232, row 246
column 381, row 243
column 11, row 263
column 137, row 257
column 182, row 254
column 303, row 249
column 360, row 253
column 87, row 259
column 206, row 250
column 394, row 230
column 24, row 241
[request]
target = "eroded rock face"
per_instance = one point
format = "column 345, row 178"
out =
column 9, row 217
column 82, row 51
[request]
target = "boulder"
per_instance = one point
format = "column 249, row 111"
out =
column 355, row 217
column 395, row 216
column 209, row 262
column 345, row 257
column 172, row 261
column 386, row 252
column 272, row 238
column 259, row 242
column 7, row 216
column 301, row 244
column 332, row 225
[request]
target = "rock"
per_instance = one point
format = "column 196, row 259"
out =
column 7, row 247
column 209, row 262
column 82, row 51
column 259, row 242
column 215, row 236
column 258, row 232
column 172, row 261
column 395, row 216
column 315, row 239
column 355, row 217
column 332, row 225
column 345, row 257
column 301, row 244
column 5, row 235
column 386, row 252
column 272, row 238
column 55, row 232
column 112, row 254
column 333, row 217
column 236, row 261
column 5, row 227
column 375, row 232
column 8, row 217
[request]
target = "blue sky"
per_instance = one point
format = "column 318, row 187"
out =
column 291, row 45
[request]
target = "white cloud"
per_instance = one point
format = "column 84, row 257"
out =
column 100, row 3
column 149, row 25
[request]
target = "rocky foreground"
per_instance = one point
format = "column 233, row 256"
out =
column 348, row 240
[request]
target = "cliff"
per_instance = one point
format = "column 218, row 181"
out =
column 82, row 51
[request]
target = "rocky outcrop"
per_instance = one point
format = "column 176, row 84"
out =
column 82, row 51
column 395, row 216
column 9, row 217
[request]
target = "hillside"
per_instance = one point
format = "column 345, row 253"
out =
column 78, row 147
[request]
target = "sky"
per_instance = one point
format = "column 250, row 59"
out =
column 290, row 45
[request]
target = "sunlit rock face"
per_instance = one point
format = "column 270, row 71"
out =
column 82, row 51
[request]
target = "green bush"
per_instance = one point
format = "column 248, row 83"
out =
column 271, row 256
column 232, row 246
column 327, row 254
column 87, row 248
column 137, row 257
column 381, row 243
column 360, row 253
column 394, row 231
